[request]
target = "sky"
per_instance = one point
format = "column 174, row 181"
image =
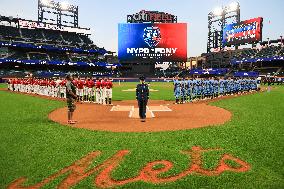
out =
column 103, row 16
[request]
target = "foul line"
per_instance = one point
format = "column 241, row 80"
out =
column 152, row 114
column 167, row 109
column 131, row 112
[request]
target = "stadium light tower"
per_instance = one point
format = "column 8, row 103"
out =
column 218, row 11
column 64, row 5
column 45, row 2
column 217, row 20
column 50, row 8
column 233, row 6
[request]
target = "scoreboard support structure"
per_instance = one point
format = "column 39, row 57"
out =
column 58, row 13
column 217, row 20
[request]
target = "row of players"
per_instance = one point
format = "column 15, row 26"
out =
column 87, row 90
column 187, row 90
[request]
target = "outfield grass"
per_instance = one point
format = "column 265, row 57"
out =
column 3, row 85
column 165, row 91
column 34, row 147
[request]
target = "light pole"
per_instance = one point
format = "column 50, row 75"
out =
column 217, row 19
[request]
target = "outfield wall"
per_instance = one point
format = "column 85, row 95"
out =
column 137, row 80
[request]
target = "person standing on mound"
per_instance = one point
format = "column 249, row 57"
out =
column 71, row 98
column 142, row 96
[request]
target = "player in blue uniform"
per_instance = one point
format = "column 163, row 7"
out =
column 211, row 88
column 215, row 88
column 189, row 90
column 183, row 90
column 236, row 85
column 204, row 85
column 199, row 88
column 194, row 89
column 176, row 89
column 222, row 87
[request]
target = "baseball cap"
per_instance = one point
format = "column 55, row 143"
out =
column 142, row 78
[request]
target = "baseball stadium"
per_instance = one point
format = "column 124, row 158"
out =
column 141, row 94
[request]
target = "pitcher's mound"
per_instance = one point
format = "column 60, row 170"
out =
column 167, row 117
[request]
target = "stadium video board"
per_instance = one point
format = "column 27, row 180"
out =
column 247, row 31
column 161, row 42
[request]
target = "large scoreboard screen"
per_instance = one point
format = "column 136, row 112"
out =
column 247, row 31
column 161, row 42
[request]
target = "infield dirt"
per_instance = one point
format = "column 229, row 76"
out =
column 182, row 117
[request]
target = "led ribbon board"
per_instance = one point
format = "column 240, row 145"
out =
column 159, row 41
column 247, row 31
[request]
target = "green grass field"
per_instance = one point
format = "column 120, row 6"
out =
column 34, row 147
column 165, row 91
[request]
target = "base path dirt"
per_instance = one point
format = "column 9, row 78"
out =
column 162, row 116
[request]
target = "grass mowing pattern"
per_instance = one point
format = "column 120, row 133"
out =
column 34, row 147
column 165, row 91
column 3, row 85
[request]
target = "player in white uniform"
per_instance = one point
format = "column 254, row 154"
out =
column 98, row 87
column 258, row 83
column 109, row 87
column 103, row 97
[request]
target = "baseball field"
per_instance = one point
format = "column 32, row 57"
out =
column 245, row 152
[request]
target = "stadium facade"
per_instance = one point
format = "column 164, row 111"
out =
column 52, row 48
column 44, row 49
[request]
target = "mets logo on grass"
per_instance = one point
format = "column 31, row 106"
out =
column 143, row 41
column 152, row 172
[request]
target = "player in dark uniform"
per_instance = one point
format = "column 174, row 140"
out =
column 71, row 98
column 142, row 96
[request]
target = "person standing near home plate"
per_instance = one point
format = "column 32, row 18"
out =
column 98, row 91
column 109, row 87
column 71, row 98
column 142, row 96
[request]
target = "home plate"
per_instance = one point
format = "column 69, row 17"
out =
column 134, row 112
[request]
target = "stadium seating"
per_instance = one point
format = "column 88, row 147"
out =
column 59, row 57
column 49, row 36
column 267, row 71
column 9, row 32
column 224, row 58
column 32, row 34
column 53, row 36
column 281, row 52
column 71, row 38
column 47, row 52
column 18, row 55
column 244, row 53
column 38, row 56
column 268, row 52
column 80, row 59
column 167, row 73
column 265, row 52
column 86, row 39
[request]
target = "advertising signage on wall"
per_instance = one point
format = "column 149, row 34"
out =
column 151, row 16
column 37, row 25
